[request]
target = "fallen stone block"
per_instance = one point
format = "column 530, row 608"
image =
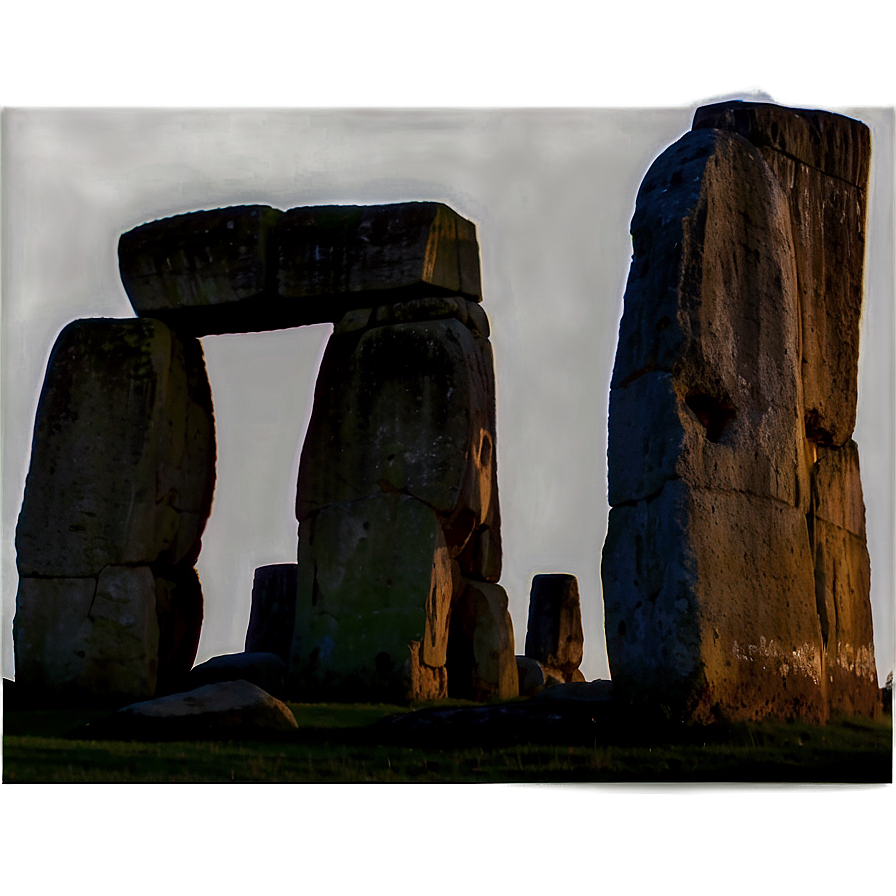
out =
column 230, row 709
column 265, row 670
column 374, row 578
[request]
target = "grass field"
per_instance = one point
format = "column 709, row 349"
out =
column 341, row 744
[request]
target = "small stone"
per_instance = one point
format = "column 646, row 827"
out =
column 554, row 634
column 265, row 670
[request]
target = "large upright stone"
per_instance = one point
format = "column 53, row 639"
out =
column 397, row 498
column 121, row 478
column 743, row 308
column 250, row 268
column 822, row 160
column 708, row 581
column 272, row 617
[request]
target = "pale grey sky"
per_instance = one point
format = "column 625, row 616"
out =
column 551, row 193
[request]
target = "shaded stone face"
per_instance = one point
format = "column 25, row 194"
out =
column 272, row 617
column 481, row 660
column 707, row 567
column 397, row 497
column 250, row 268
column 121, row 478
column 554, row 634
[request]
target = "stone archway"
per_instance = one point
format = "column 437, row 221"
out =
column 397, row 493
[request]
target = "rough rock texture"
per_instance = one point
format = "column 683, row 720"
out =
column 554, row 634
column 397, row 498
column 481, row 659
column 227, row 709
column 265, row 670
column 724, row 583
column 272, row 618
column 843, row 581
column 121, row 478
column 250, row 268
column 822, row 160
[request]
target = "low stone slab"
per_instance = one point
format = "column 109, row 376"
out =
column 251, row 268
column 265, row 670
column 229, row 709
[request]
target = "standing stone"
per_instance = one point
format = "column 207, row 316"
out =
column 554, row 634
column 708, row 587
column 481, row 660
column 735, row 569
column 118, row 491
column 822, row 160
column 396, row 498
column 272, row 617
column 843, row 581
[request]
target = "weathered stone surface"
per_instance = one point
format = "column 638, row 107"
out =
column 108, row 490
column 122, row 461
column 534, row 677
column 822, row 160
column 843, row 581
column 554, row 634
column 202, row 271
column 375, row 576
column 481, row 659
column 707, row 570
column 250, row 268
column 230, row 709
column 179, row 610
column 706, row 381
column 418, row 247
column 409, row 408
column 265, row 670
column 272, row 618
column 91, row 640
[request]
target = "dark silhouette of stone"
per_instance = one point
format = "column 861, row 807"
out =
column 272, row 617
column 554, row 634
column 265, row 670
column 250, row 268
column 481, row 660
column 728, row 591
column 117, row 495
column 229, row 709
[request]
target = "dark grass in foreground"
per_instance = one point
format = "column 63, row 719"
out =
column 342, row 744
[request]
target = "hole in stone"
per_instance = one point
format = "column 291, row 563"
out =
column 714, row 415
column 622, row 629
column 815, row 432
column 663, row 323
